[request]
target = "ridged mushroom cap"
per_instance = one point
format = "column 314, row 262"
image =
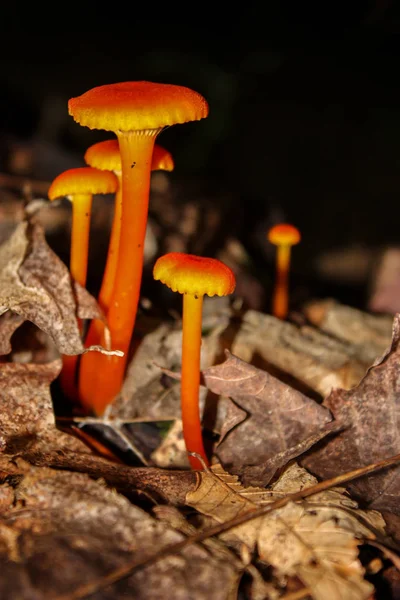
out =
column 106, row 155
column 196, row 275
column 83, row 180
column 284, row 234
column 137, row 105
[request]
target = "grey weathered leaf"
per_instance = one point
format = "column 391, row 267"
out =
column 306, row 354
column 27, row 418
column 36, row 285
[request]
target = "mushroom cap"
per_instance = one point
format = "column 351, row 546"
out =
column 162, row 159
column 284, row 234
column 190, row 274
column 106, row 156
column 83, row 180
column 137, row 105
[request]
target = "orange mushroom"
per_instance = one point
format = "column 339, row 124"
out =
column 284, row 236
column 79, row 185
column 193, row 276
column 106, row 156
column 137, row 112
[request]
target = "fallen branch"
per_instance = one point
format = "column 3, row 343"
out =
column 170, row 486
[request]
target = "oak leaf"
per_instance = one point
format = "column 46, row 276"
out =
column 315, row 539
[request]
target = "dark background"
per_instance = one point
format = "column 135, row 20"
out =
column 304, row 121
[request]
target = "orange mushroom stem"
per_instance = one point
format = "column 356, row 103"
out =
column 79, row 185
column 106, row 155
column 137, row 112
column 284, row 236
column 193, row 276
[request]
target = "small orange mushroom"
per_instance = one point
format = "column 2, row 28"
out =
column 79, row 185
column 136, row 111
column 106, row 156
column 193, row 276
column 284, row 236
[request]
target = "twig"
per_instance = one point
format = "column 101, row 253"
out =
column 171, row 486
column 88, row 589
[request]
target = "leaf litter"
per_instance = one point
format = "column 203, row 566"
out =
column 369, row 413
column 256, row 517
column 36, row 286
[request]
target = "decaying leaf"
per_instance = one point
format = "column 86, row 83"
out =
column 368, row 334
column 27, row 419
column 274, row 422
column 9, row 323
column 144, row 393
column 309, row 356
column 370, row 414
column 65, row 530
column 315, row 540
column 36, row 286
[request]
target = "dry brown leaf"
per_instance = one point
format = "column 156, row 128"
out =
column 311, row 357
column 36, row 286
column 315, row 540
column 275, row 424
column 66, row 530
column 370, row 414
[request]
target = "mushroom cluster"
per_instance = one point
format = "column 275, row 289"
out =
column 137, row 112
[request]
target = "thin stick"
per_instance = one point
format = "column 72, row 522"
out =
column 88, row 589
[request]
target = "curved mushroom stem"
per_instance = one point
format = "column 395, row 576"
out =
column 136, row 148
column 96, row 328
column 110, row 270
column 190, row 381
column 81, row 211
column 281, row 294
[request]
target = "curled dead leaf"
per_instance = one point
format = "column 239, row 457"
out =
column 36, row 286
